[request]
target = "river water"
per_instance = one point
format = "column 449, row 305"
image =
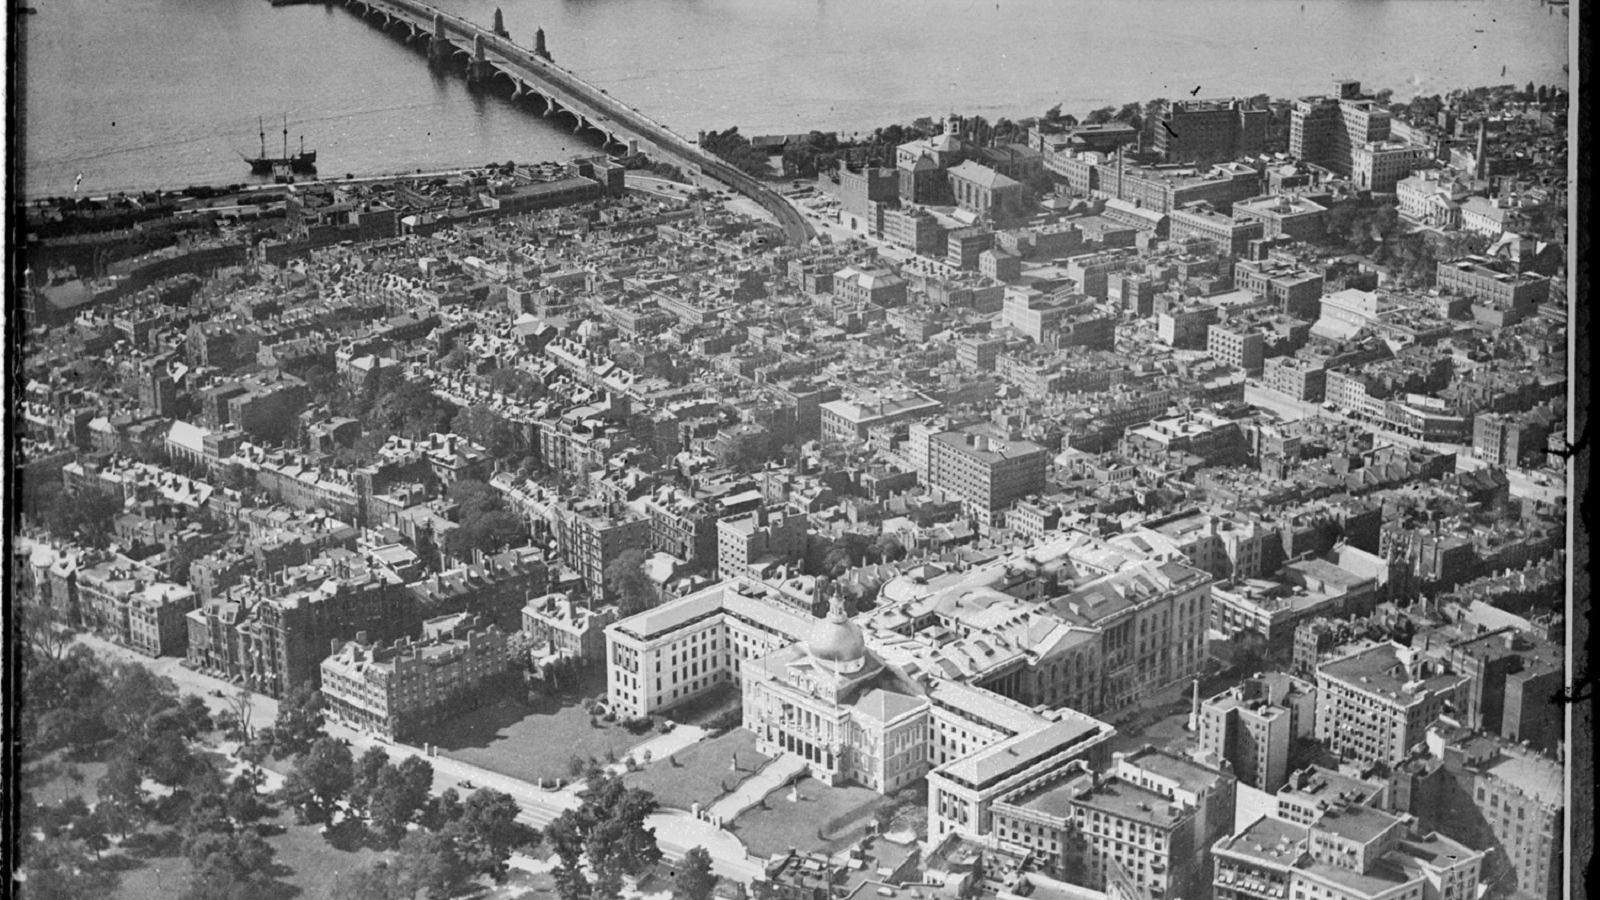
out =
column 139, row 94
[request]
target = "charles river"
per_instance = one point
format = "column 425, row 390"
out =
column 141, row 94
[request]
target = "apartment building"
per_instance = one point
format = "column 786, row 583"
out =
column 399, row 688
column 1253, row 726
column 1375, row 705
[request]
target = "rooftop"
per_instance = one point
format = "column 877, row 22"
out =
column 1356, row 822
column 1536, row 776
column 1269, row 840
column 1119, row 798
column 1021, row 751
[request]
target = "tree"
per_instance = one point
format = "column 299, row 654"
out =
column 122, row 784
column 609, row 830
column 430, row 861
column 625, row 580
column 245, row 804
column 1101, row 116
column 230, row 867
column 368, row 769
column 90, row 829
column 44, row 631
column 87, row 517
column 483, row 426
column 388, row 808
column 1131, row 114
column 694, row 880
column 57, row 869
column 889, row 548
column 483, row 522
column 135, row 697
column 516, row 382
column 389, row 403
column 566, row 836
column 207, row 817
column 320, row 778
column 444, row 809
column 847, row 550
column 487, row 832
column 400, row 793
column 299, row 722
column 488, row 533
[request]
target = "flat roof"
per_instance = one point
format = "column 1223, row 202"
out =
column 1376, row 669
column 1053, row 799
column 1021, row 751
column 1382, row 876
column 1186, row 772
column 1535, row 776
column 655, row 622
column 1269, row 840
column 1356, row 823
column 1129, row 801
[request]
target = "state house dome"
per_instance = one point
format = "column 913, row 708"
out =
column 838, row 641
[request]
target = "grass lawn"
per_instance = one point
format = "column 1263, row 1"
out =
column 52, row 780
column 782, row 824
column 309, row 865
column 702, row 709
column 150, row 865
column 529, row 741
column 702, row 773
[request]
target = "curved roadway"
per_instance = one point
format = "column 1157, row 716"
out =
column 608, row 112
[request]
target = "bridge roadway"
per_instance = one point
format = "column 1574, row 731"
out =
column 491, row 55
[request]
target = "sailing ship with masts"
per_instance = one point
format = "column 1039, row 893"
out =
column 302, row 163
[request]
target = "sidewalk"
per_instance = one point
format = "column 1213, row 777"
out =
column 677, row 832
column 751, row 790
column 661, row 746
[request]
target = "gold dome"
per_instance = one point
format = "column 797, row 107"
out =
column 836, row 639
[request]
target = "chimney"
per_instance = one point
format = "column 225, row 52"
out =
column 1480, row 164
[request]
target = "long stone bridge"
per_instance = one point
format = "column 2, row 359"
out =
column 492, row 55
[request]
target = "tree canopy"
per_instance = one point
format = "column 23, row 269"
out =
column 483, row 522
column 608, row 831
column 321, row 777
column 694, row 879
column 626, row 582
column 299, row 723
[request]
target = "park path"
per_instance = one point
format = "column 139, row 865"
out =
column 660, row 747
column 751, row 790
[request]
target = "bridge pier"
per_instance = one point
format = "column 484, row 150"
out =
column 438, row 43
column 479, row 69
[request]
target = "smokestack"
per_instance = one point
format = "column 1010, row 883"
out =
column 1480, row 164
column 1194, row 707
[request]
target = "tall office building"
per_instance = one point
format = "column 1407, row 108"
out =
column 1210, row 131
column 1326, row 131
column 1375, row 705
column 1253, row 726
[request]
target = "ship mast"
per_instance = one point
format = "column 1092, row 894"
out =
column 285, row 135
column 261, row 124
